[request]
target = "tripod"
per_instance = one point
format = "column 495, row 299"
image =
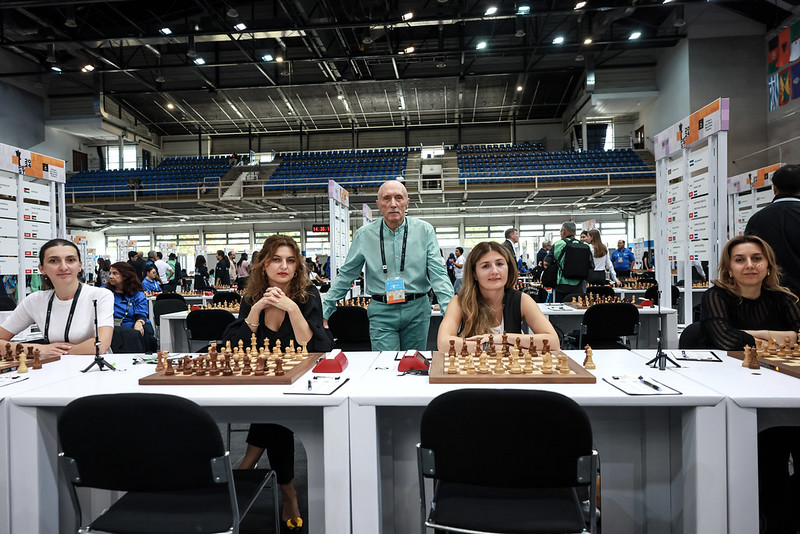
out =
column 99, row 361
column 661, row 357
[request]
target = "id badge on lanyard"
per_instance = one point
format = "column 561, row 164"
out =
column 395, row 291
column 395, row 287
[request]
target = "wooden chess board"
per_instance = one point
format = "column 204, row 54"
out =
column 437, row 374
column 293, row 368
column 787, row 365
column 10, row 365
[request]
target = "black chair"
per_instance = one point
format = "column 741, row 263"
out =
column 601, row 291
column 207, row 325
column 604, row 324
column 516, row 471
column 126, row 340
column 693, row 337
column 173, row 296
column 350, row 328
column 651, row 293
column 166, row 452
column 7, row 304
column 226, row 297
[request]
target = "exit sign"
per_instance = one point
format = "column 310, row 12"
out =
column 321, row 228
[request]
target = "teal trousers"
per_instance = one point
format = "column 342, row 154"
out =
column 399, row 326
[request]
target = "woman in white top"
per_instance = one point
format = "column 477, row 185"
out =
column 489, row 304
column 65, row 310
column 602, row 261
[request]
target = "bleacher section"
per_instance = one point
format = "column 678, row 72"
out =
column 180, row 175
column 310, row 171
column 350, row 168
column 515, row 163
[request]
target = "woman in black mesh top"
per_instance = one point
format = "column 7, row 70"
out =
column 747, row 302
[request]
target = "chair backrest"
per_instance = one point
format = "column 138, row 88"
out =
column 227, row 297
column 612, row 320
column 140, row 442
column 693, row 337
column 7, row 304
column 126, row 340
column 208, row 325
column 506, row 437
column 602, row 291
column 160, row 307
column 171, row 296
column 349, row 324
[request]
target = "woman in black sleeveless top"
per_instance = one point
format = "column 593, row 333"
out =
column 489, row 304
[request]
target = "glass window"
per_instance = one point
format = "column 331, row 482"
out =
column 448, row 239
column 128, row 154
column 317, row 243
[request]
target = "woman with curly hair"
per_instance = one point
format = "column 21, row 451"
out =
column 489, row 304
column 130, row 303
column 747, row 302
column 279, row 303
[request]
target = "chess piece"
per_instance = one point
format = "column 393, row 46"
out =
column 451, row 364
column 547, row 363
column 19, row 349
column 528, row 368
column 514, row 367
column 246, row 368
column 37, row 359
column 200, row 368
column 253, row 340
column 240, row 345
column 160, row 364
column 545, row 345
column 483, row 364
column 259, row 366
column 492, row 351
column 305, row 349
column 23, row 363
column 464, row 349
column 277, row 349
column 9, row 354
column 754, row 361
column 279, row 367
column 469, row 366
column 169, row 371
column 504, row 343
column 499, row 368
column 562, row 364
column 187, row 365
column 588, row 363
column 452, row 351
column 227, row 371
column 748, row 356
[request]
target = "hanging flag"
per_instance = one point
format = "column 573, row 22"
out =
column 794, row 53
column 785, row 84
column 772, row 57
column 783, row 47
column 773, row 92
column 795, row 81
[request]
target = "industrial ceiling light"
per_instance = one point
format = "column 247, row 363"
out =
column 579, row 57
column 407, row 16
column 160, row 79
column 70, row 22
column 587, row 41
column 191, row 52
column 165, row 31
column 56, row 68
column 523, row 9
column 580, row 5
column 558, row 40
column 491, row 11
column 240, row 27
column 635, row 35
column 87, row 68
column 519, row 88
column 199, row 61
column 267, row 57
column 340, row 96
column 170, row 105
column 679, row 20
column 279, row 59
column 409, row 50
column 232, row 13
column 440, row 64
column 481, row 45
column 51, row 53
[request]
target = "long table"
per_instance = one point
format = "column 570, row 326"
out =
column 670, row 464
column 568, row 319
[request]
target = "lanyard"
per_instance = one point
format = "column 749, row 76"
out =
column 69, row 318
column 402, row 256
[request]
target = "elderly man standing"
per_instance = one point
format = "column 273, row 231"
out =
column 512, row 238
column 401, row 258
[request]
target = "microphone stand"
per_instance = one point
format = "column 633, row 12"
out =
column 99, row 361
column 661, row 357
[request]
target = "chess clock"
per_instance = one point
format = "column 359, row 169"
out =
column 412, row 360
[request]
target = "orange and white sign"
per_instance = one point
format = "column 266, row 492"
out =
column 20, row 161
column 713, row 118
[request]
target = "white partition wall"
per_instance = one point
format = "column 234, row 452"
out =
column 339, row 202
column 691, row 189
column 28, row 209
column 747, row 193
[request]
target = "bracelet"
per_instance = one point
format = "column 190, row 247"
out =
column 251, row 325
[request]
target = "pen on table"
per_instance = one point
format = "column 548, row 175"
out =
column 309, row 385
column 327, row 377
column 650, row 384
